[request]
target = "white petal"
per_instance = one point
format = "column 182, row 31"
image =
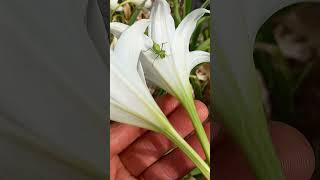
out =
column 180, row 46
column 114, row 4
column 130, row 45
column 112, row 55
column 131, row 104
column 125, row 56
column 117, row 28
column 161, row 72
column 162, row 26
column 132, row 96
column 141, row 73
column 185, row 29
column 120, row 114
column 148, row 3
column 198, row 57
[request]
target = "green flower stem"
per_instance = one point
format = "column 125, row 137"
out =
column 205, row 4
column 259, row 150
column 176, row 12
column 198, row 127
column 187, row 7
column 255, row 141
column 197, row 31
column 172, row 134
column 242, row 116
column 136, row 13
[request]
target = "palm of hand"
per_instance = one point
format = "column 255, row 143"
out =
column 139, row 154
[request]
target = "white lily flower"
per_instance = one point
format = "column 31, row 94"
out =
column 114, row 4
column 148, row 3
column 172, row 72
column 130, row 99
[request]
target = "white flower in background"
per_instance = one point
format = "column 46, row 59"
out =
column 172, row 71
column 130, row 99
column 148, row 3
column 114, row 4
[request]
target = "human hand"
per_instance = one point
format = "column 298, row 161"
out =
column 293, row 150
column 136, row 153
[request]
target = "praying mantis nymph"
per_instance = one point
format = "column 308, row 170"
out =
column 158, row 50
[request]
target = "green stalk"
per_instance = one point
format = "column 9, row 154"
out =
column 261, row 144
column 187, row 7
column 197, row 125
column 176, row 12
column 172, row 134
column 243, row 118
column 197, row 32
column 136, row 13
column 205, row 4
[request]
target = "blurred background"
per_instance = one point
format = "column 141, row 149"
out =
column 287, row 57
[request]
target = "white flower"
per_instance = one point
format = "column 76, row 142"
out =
column 130, row 99
column 148, row 3
column 172, row 72
column 114, row 4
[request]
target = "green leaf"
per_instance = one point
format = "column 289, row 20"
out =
column 197, row 89
column 136, row 13
column 187, row 7
column 204, row 46
column 195, row 36
column 176, row 12
column 205, row 4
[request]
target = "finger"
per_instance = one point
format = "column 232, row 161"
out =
column 296, row 154
column 150, row 147
column 122, row 135
column 176, row 164
column 293, row 150
column 167, row 103
column 118, row 171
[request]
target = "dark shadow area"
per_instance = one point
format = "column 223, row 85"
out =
column 287, row 55
column 53, row 90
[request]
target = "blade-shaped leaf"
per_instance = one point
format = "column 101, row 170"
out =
column 236, row 95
